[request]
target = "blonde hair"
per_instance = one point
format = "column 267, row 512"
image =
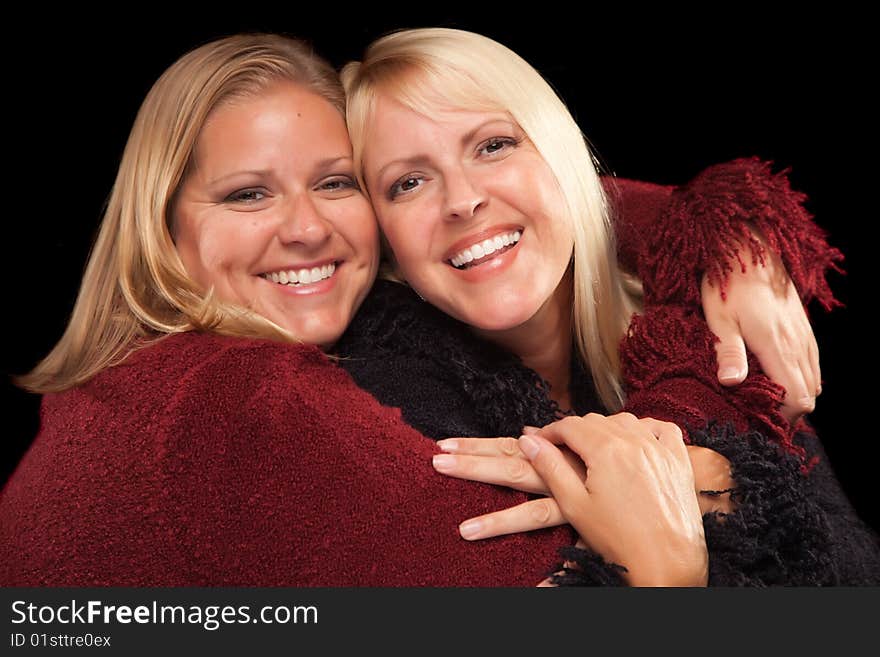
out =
column 135, row 288
column 424, row 68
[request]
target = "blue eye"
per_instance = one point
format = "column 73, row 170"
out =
column 405, row 185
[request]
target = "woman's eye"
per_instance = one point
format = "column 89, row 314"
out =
column 405, row 185
column 338, row 183
column 245, row 196
column 495, row 145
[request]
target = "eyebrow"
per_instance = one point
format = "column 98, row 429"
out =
column 323, row 165
column 422, row 159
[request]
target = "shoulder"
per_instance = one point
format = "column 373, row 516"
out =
column 184, row 358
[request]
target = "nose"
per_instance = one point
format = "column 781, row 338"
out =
column 464, row 195
column 303, row 223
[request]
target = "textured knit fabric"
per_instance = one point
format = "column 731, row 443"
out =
column 790, row 527
column 204, row 461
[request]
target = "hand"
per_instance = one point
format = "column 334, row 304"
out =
column 637, row 506
column 762, row 311
column 501, row 461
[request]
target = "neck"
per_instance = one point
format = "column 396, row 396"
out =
column 543, row 342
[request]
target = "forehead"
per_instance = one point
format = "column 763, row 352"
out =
column 436, row 111
column 396, row 130
column 281, row 105
column 285, row 115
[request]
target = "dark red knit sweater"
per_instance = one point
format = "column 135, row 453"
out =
column 204, row 460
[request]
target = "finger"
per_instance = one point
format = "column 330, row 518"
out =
column 799, row 398
column 814, row 363
column 508, row 471
column 815, row 369
column 481, row 446
column 626, row 421
column 525, row 517
column 730, row 351
column 781, row 360
column 567, row 488
column 807, row 403
column 668, row 434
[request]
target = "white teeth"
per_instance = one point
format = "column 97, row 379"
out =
column 303, row 276
column 484, row 248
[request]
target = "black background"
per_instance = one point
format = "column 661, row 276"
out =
column 659, row 96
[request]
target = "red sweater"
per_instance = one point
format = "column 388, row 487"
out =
column 205, row 460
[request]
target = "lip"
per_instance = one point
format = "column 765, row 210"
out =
column 474, row 238
column 321, row 287
column 490, row 268
column 303, row 265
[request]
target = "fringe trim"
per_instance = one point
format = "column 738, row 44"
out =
column 709, row 219
column 668, row 343
column 778, row 535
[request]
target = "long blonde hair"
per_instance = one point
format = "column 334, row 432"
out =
column 135, row 288
column 422, row 68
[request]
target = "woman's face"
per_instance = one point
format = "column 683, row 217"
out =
column 470, row 209
column 270, row 215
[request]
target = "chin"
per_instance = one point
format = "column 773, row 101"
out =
column 320, row 334
column 500, row 318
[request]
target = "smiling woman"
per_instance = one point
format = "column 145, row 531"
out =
column 461, row 142
column 468, row 165
column 291, row 238
column 194, row 432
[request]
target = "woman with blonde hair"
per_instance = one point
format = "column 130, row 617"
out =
column 193, row 430
column 494, row 213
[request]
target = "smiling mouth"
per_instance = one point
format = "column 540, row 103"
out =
column 300, row 277
column 481, row 252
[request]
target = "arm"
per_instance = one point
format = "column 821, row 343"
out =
column 786, row 529
column 317, row 484
column 671, row 236
column 734, row 232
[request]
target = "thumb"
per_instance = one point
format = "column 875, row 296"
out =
column 731, row 353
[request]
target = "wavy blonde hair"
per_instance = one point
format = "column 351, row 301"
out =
column 135, row 288
column 437, row 67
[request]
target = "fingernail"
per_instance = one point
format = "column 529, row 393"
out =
column 443, row 461
column 529, row 446
column 470, row 529
column 530, row 430
column 729, row 373
column 448, row 444
column 819, row 390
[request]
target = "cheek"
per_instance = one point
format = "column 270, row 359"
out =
column 408, row 231
column 211, row 249
column 356, row 223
